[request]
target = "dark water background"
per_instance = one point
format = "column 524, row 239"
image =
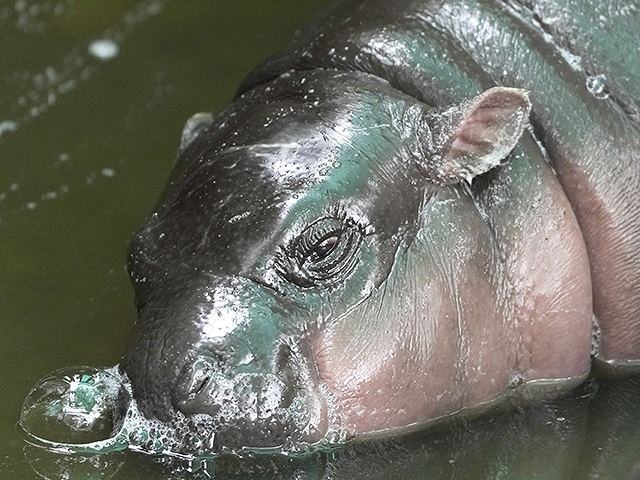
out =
column 86, row 144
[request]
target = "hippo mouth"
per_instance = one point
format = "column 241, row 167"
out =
column 86, row 410
column 257, row 410
column 189, row 392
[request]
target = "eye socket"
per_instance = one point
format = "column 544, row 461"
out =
column 323, row 253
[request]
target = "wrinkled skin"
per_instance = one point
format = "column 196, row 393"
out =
column 366, row 241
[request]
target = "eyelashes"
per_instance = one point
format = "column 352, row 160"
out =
column 323, row 254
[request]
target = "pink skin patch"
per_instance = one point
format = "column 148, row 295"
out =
column 474, row 307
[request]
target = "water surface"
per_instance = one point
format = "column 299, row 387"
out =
column 93, row 97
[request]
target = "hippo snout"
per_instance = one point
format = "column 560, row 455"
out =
column 245, row 409
column 219, row 359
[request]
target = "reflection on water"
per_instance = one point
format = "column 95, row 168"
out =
column 593, row 432
column 30, row 93
column 93, row 97
column 52, row 465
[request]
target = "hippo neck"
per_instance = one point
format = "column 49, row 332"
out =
column 408, row 44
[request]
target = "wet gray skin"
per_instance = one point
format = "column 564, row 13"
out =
column 375, row 239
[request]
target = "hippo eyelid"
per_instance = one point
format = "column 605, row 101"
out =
column 315, row 234
column 324, row 253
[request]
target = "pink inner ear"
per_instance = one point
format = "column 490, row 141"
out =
column 487, row 131
column 476, row 135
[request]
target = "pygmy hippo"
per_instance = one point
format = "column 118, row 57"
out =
column 417, row 209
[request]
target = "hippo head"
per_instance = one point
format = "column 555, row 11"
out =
column 283, row 218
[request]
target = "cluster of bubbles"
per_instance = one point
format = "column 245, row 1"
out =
column 88, row 411
column 73, row 411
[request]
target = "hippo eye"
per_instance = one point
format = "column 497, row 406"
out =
column 324, row 253
column 325, row 247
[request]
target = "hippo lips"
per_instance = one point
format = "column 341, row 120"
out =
column 255, row 410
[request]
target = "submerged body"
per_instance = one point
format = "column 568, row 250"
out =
column 372, row 236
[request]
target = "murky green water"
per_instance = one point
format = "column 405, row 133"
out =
column 93, row 97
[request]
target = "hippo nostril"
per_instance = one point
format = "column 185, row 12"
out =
column 200, row 375
column 198, row 384
column 286, row 374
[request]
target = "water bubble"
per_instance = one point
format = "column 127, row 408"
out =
column 138, row 436
column 104, row 49
column 157, row 446
column 148, row 445
column 333, row 437
column 597, row 86
column 336, row 164
column 73, row 405
column 192, row 443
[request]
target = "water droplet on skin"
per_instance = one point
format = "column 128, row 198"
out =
column 597, row 86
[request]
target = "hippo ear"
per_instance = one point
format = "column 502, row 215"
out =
column 196, row 124
column 474, row 137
